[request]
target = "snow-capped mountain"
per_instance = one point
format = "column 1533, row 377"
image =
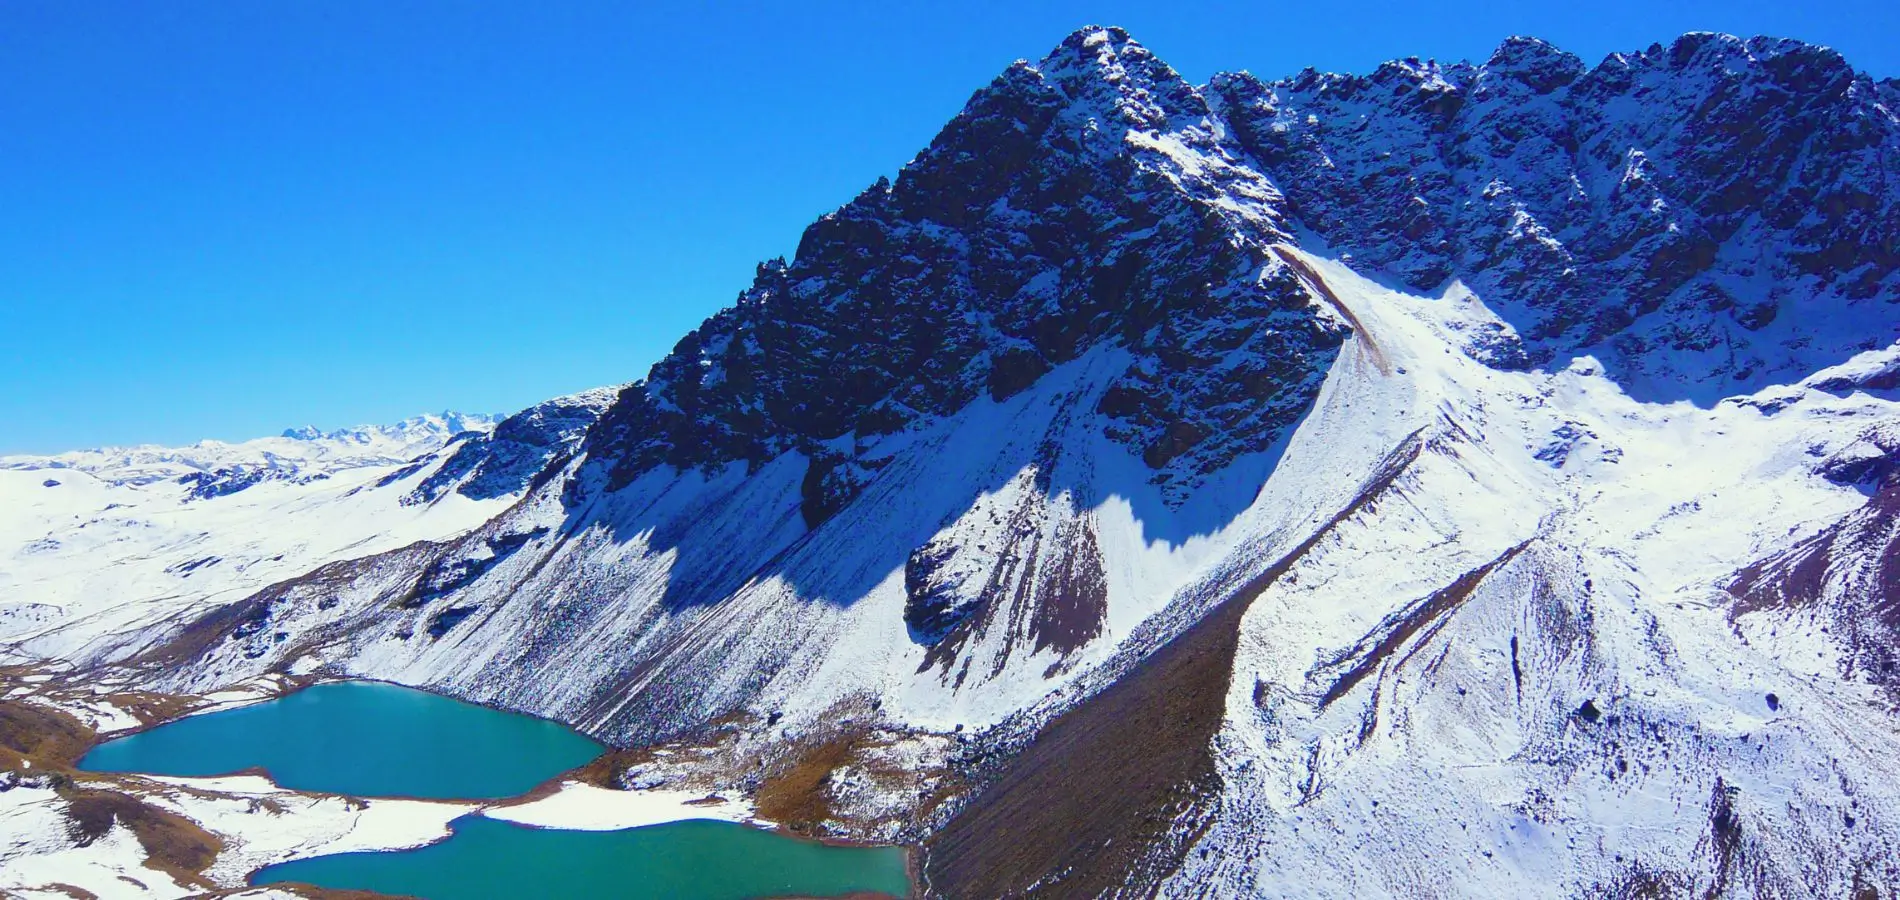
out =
column 213, row 468
column 1464, row 479
column 100, row 543
column 446, row 424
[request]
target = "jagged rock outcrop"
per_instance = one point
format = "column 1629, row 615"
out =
column 1698, row 215
column 507, row 459
column 1082, row 201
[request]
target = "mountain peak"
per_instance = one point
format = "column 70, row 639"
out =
column 1105, row 68
column 1100, row 41
column 1534, row 62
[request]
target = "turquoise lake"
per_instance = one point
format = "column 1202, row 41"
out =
column 695, row 860
column 380, row 740
column 364, row 738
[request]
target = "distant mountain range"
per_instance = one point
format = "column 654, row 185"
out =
column 1456, row 480
column 298, row 452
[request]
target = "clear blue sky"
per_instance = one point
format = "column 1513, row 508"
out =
column 222, row 219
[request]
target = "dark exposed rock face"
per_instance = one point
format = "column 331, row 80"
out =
column 227, row 480
column 1685, row 212
column 1706, row 215
column 1869, row 461
column 932, row 604
column 1072, row 591
column 1051, row 574
column 440, row 623
column 453, row 571
column 1058, row 213
column 222, row 482
column 1848, row 575
column 522, row 446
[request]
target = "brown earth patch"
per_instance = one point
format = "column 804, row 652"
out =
column 73, row 891
column 605, row 770
column 173, row 844
column 1319, row 286
column 49, row 739
column 798, row 788
column 793, row 781
column 1075, row 812
column 152, row 708
column 794, row 796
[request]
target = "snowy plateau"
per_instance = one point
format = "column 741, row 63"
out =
column 1468, row 480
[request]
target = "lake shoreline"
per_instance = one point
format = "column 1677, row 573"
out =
column 461, row 865
column 287, row 686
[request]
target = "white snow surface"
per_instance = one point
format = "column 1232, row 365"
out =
column 1461, row 755
column 261, row 824
column 101, row 545
column 36, row 854
column 584, row 807
column 641, row 573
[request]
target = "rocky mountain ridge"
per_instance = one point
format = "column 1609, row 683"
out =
column 1694, row 215
column 1636, row 211
column 1084, row 201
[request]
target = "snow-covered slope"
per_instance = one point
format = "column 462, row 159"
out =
column 1469, row 480
column 104, row 545
column 1519, row 667
column 101, row 543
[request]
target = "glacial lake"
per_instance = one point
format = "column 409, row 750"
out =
column 692, row 860
column 364, row 738
column 380, row 740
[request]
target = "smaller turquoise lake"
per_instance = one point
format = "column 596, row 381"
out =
column 693, row 860
column 363, row 738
